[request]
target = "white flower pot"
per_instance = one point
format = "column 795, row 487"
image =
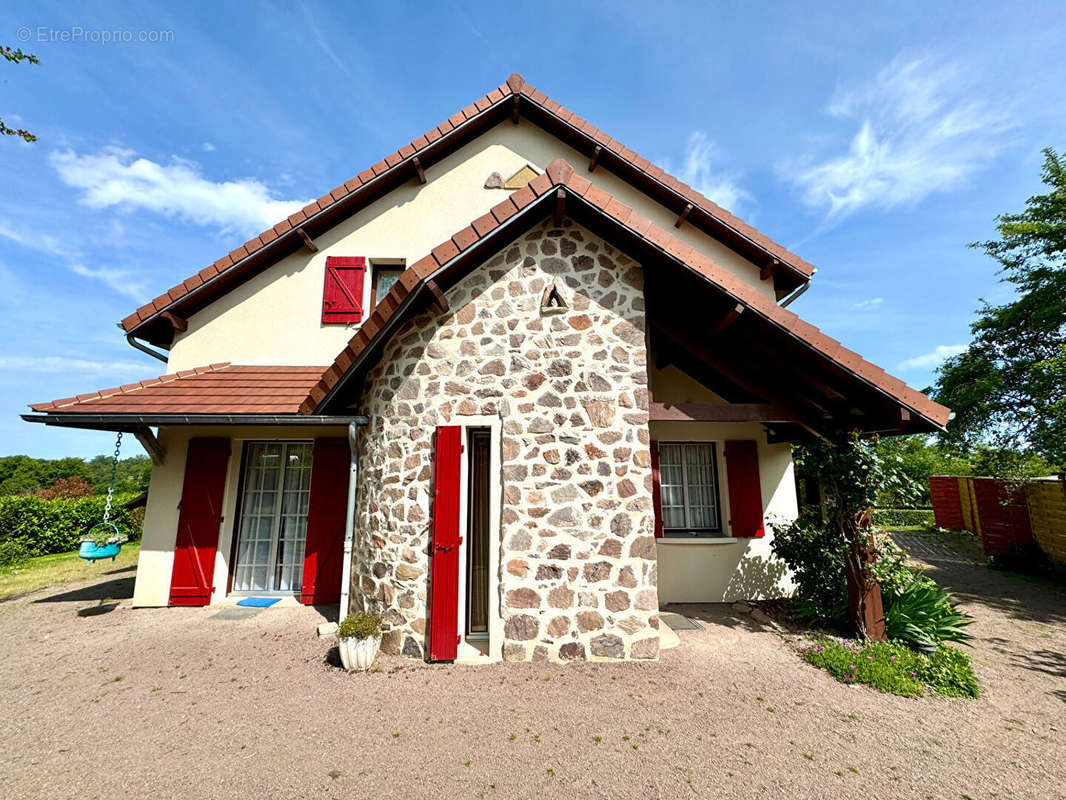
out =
column 359, row 654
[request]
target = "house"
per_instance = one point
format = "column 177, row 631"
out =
column 512, row 421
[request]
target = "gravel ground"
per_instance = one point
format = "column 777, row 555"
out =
column 164, row 703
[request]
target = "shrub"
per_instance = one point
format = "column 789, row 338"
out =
column 814, row 552
column 359, row 626
column 893, row 667
column 903, row 517
column 12, row 554
column 925, row 616
column 917, row 610
column 74, row 486
column 57, row 526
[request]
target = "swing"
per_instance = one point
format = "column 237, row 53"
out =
column 104, row 539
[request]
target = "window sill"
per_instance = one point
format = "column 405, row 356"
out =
column 697, row 540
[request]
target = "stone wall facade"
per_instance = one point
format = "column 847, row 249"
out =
column 577, row 575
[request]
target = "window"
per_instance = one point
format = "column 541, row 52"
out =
column 385, row 275
column 276, row 490
column 688, row 487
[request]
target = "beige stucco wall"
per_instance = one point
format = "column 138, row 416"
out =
column 275, row 318
column 156, row 560
column 726, row 569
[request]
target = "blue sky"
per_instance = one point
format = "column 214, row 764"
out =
column 876, row 145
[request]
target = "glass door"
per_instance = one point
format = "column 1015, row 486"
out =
column 273, row 517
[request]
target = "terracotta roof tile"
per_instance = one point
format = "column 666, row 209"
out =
column 515, row 85
column 216, row 388
column 746, row 293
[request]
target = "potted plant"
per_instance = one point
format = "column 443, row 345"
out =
column 104, row 540
column 359, row 639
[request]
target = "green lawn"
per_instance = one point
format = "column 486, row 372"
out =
column 56, row 570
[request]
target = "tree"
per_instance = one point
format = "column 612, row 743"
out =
column 852, row 473
column 17, row 57
column 1008, row 390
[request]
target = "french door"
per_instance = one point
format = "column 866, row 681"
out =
column 272, row 526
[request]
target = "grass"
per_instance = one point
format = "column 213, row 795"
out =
column 894, row 668
column 56, row 570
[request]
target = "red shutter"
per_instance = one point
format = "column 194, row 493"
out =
column 656, row 492
column 342, row 291
column 199, row 519
column 327, row 507
column 444, row 547
column 745, row 493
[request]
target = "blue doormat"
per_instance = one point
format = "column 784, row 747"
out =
column 258, row 602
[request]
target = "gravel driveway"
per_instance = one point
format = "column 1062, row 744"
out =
column 175, row 703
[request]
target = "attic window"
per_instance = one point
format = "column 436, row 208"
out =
column 384, row 276
column 552, row 302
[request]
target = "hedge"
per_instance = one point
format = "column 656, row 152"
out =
column 893, row 517
column 43, row 527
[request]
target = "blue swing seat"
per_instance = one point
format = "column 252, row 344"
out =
column 91, row 551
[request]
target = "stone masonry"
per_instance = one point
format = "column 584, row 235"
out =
column 577, row 577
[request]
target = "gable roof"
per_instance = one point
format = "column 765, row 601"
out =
column 511, row 99
column 561, row 188
column 214, row 389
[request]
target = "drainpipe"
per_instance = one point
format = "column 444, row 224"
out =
column 349, row 522
column 145, row 348
column 784, row 303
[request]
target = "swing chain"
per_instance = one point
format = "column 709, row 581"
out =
column 111, row 486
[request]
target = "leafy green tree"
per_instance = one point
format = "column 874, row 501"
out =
column 17, row 57
column 916, row 458
column 1008, row 390
column 25, row 475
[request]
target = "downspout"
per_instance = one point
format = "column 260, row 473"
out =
column 784, row 303
column 145, row 348
column 349, row 521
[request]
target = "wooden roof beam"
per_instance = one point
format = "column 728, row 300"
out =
column 595, row 158
column 683, row 215
column 419, row 172
column 727, row 319
column 308, row 242
column 768, row 269
column 179, row 324
column 720, row 412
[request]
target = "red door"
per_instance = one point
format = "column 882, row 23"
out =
column 444, row 547
column 199, row 519
column 324, row 552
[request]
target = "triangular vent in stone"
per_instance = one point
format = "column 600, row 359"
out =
column 552, row 302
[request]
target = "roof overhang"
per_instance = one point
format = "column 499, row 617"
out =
column 154, row 322
column 132, row 423
column 560, row 191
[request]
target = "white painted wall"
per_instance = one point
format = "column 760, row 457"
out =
column 726, row 569
column 156, row 561
column 275, row 317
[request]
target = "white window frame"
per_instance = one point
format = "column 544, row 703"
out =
column 687, row 532
column 238, row 513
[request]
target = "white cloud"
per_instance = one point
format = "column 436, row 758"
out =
column 940, row 354
column 208, row 147
column 117, row 178
column 701, row 171
column 54, row 364
column 122, row 281
column 923, row 127
column 873, row 302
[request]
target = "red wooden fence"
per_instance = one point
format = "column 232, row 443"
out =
column 947, row 507
column 994, row 509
